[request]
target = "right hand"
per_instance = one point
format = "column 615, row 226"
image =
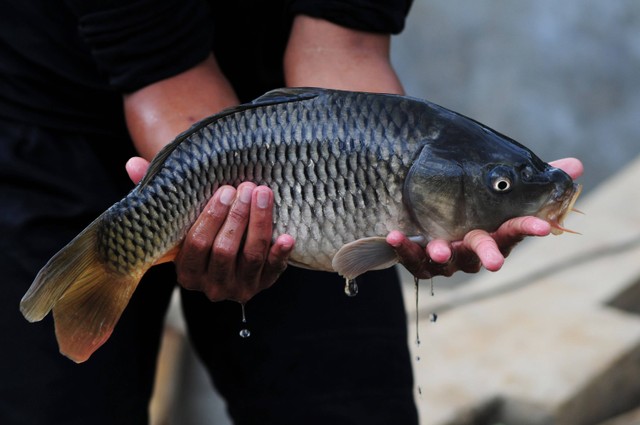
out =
column 478, row 248
column 228, row 252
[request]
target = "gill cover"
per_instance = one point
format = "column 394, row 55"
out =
column 434, row 193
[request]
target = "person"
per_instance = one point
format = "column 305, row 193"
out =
column 87, row 86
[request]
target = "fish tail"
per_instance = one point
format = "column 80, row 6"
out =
column 86, row 296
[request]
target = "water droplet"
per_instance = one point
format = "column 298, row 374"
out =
column 419, row 390
column 350, row 287
column 244, row 314
column 433, row 293
column 433, row 317
column 417, row 358
column 416, row 283
column 244, row 332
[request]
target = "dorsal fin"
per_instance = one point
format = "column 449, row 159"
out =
column 273, row 97
column 288, row 94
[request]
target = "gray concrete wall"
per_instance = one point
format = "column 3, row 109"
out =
column 562, row 77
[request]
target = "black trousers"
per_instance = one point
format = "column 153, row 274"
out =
column 314, row 354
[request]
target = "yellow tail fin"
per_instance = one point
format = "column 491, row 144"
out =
column 87, row 297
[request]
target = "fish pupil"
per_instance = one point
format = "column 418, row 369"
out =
column 502, row 184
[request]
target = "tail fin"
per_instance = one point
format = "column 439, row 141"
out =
column 87, row 297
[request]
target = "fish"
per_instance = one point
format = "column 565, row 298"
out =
column 346, row 168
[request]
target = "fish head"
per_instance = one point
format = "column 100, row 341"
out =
column 479, row 180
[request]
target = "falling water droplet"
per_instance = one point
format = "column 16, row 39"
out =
column 433, row 317
column 420, row 391
column 433, row 293
column 244, row 332
column 350, row 287
column 416, row 284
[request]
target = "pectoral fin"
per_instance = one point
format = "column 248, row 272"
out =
column 365, row 254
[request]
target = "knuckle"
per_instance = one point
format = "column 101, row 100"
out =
column 187, row 281
column 198, row 243
column 214, row 293
column 223, row 254
column 238, row 215
column 276, row 267
column 253, row 259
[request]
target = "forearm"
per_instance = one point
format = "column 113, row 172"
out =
column 322, row 54
column 158, row 112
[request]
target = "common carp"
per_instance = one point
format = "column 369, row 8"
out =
column 346, row 168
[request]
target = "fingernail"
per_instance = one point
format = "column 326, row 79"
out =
column 226, row 197
column 263, row 199
column 286, row 244
column 245, row 194
column 541, row 226
column 393, row 239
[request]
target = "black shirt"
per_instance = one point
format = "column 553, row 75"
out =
column 65, row 65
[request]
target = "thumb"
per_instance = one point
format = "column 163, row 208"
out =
column 136, row 168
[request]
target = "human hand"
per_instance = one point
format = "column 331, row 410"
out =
column 227, row 253
column 478, row 248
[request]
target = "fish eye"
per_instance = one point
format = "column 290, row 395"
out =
column 501, row 178
column 501, row 184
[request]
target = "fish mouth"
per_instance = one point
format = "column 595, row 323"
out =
column 559, row 207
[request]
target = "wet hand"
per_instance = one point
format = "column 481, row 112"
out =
column 227, row 253
column 478, row 248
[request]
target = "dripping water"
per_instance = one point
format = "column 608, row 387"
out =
column 416, row 284
column 244, row 332
column 350, row 287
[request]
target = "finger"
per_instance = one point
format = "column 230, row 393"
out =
column 193, row 259
column 571, row 166
column 226, row 246
column 412, row 256
column 277, row 260
column 485, row 247
column 439, row 250
column 514, row 231
column 258, row 240
column 136, row 168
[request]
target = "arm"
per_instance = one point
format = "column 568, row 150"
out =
column 213, row 257
column 156, row 113
column 323, row 54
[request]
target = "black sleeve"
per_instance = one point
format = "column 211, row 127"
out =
column 138, row 42
column 381, row 16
